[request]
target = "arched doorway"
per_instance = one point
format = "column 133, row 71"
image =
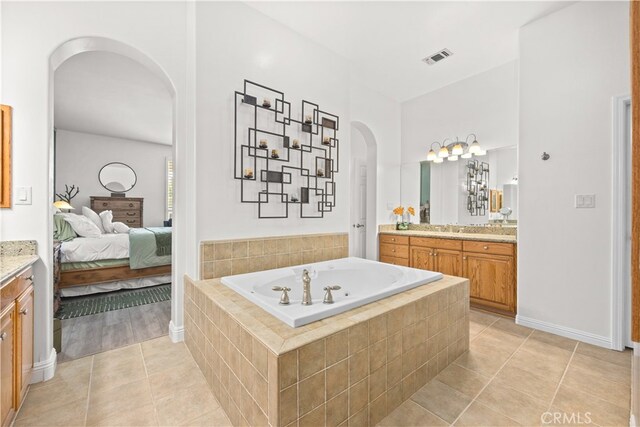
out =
column 81, row 45
column 364, row 158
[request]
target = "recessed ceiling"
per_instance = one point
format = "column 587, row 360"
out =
column 386, row 41
column 108, row 94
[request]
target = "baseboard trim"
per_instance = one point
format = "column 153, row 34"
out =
column 176, row 333
column 45, row 370
column 563, row 331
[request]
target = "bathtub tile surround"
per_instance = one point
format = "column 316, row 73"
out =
column 355, row 367
column 220, row 258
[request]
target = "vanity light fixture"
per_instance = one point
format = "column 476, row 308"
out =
column 455, row 149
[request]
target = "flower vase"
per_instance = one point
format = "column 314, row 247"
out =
column 402, row 222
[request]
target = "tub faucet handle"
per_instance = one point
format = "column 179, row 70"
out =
column 284, row 298
column 328, row 297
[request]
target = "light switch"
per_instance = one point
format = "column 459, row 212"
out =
column 23, row 196
column 585, row 201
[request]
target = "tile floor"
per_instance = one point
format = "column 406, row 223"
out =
column 146, row 384
column 510, row 376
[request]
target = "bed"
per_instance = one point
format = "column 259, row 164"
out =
column 116, row 261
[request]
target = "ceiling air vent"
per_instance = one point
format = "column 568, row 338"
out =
column 438, row 56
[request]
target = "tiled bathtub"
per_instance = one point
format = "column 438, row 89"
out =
column 355, row 367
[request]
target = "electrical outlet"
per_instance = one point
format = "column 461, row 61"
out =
column 585, row 201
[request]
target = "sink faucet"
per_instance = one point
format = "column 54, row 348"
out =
column 306, row 288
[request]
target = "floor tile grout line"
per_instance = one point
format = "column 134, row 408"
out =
column 566, row 368
column 86, row 411
column 146, row 375
column 491, row 380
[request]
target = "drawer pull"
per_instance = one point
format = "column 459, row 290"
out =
column 105, row 204
column 131, row 221
column 393, row 250
column 393, row 239
column 24, row 311
column 130, row 205
column 131, row 214
column 30, row 278
column 3, row 336
column 486, row 248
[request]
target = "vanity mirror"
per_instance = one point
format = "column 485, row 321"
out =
column 443, row 190
column 118, row 178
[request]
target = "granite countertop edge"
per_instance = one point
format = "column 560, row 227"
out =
column 455, row 236
column 10, row 265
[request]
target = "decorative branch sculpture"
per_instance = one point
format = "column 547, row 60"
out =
column 69, row 193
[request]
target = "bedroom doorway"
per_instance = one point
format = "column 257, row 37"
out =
column 113, row 181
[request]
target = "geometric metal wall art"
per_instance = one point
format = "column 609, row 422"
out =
column 477, row 187
column 280, row 160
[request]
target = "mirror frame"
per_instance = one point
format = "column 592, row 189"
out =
column 135, row 176
column 5, row 152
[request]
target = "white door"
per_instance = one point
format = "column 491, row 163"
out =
column 360, row 204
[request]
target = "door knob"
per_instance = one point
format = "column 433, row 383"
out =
column 3, row 336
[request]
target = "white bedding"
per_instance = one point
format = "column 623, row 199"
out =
column 107, row 246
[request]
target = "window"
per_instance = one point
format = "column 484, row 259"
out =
column 169, row 189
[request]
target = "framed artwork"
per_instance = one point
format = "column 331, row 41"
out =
column 5, row 160
column 495, row 197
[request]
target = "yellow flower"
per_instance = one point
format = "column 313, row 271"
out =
column 399, row 210
column 411, row 211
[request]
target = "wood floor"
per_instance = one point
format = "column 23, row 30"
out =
column 86, row 335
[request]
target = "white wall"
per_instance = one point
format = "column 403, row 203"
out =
column 257, row 48
column 381, row 116
column 572, row 63
column 80, row 156
column 31, row 32
column 485, row 104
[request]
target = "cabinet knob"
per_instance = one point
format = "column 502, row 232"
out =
column 393, row 240
column 486, row 247
column 130, row 205
column 3, row 336
column 24, row 311
column 105, row 204
column 464, row 257
column 30, row 278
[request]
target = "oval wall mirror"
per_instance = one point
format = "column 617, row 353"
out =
column 117, row 177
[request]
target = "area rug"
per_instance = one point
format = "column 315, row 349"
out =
column 99, row 303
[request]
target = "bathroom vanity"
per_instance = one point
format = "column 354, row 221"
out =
column 487, row 260
column 16, row 325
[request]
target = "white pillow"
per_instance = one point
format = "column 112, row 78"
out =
column 94, row 217
column 120, row 228
column 82, row 225
column 106, row 217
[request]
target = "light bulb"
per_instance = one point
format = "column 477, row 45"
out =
column 438, row 160
column 431, row 156
column 481, row 153
column 467, row 156
column 443, row 153
column 457, row 150
column 474, row 148
column 452, row 158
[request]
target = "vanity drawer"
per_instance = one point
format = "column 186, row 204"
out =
column 15, row 287
column 429, row 242
column 396, row 251
column 495, row 248
column 395, row 261
column 394, row 239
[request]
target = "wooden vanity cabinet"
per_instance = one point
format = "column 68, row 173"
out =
column 24, row 343
column 445, row 254
column 16, row 342
column 394, row 249
column 489, row 266
column 7, row 364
